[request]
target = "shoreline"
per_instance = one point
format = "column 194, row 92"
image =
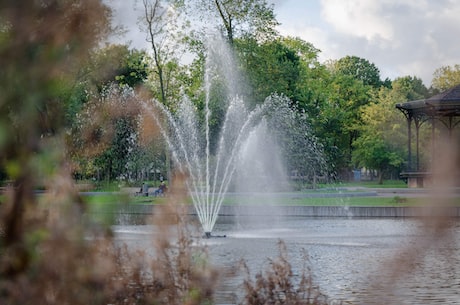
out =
column 296, row 210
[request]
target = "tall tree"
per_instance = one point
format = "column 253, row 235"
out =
column 359, row 69
column 160, row 23
column 270, row 67
column 342, row 117
column 381, row 143
column 379, row 146
column 344, row 89
column 310, row 90
column 236, row 18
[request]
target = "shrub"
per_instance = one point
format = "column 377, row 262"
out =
column 279, row 285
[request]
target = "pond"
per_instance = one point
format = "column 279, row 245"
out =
column 355, row 260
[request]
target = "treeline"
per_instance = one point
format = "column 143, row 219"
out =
column 97, row 103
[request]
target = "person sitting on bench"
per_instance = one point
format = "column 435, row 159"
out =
column 162, row 189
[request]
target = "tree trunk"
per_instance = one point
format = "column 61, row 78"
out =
column 380, row 173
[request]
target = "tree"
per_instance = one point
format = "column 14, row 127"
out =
column 311, row 86
column 270, row 67
column 114, row 64
column 380, row 145
column 344, row 87
column 446, row 77
column 133, row 70
column 373, row 153
column 359, row 69
column 339, row 121
column 103, row 66
column 411, row 87
column 97, row 120
column 238, row 18
column 160, row 24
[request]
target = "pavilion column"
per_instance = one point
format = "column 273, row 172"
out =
column 433, row 134
column 417, row 143
column 409, row 140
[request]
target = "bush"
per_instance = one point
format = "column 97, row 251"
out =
column 278, row 284
column 64, row 258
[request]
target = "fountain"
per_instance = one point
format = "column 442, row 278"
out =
column 209, row 165
column 209, row 173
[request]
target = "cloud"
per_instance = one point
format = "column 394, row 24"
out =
column 361, row 18
column 401, row 37
column 126, row 15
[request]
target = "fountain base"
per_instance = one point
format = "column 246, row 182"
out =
column 209, row 235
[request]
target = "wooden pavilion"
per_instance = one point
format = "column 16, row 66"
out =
column 443, row 112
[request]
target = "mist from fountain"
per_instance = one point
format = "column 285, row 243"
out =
column 243, row 139
column 209, row 173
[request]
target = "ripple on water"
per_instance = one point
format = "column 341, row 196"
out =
column 350, row 258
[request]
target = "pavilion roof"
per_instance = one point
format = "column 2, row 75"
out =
column 445, row 104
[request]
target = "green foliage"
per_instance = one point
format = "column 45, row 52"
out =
column 239, row 18
column 372, row 152
column 344, row 88
column 309, row 89
column 339, row 120
column 380, row 145
column 114, row 63
column 359, row 69
column 133, row 70
column 446, row 77
column 271, row 67
column 411, row 87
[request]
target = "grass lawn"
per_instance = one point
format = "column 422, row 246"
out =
column 308, row 201
column 343, row 201
column 339, row 188
column 367, row 184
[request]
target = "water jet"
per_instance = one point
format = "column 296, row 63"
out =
column 209, row 159
column 209, row 165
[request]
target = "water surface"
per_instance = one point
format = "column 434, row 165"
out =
column 358, row 261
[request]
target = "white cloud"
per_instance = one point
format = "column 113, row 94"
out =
column 126, row 14
column 362, row 18
column 410, row 37
column 314, row 35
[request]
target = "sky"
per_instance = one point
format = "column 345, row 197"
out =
column 401, row 37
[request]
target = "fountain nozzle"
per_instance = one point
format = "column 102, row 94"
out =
column 209, row 235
